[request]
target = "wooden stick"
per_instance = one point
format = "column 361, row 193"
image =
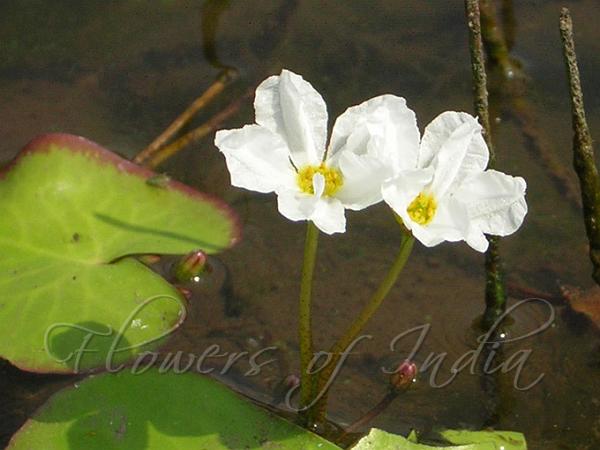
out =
column 495, row 289
column 224, row 79
column 583, row 150
column 479, row 75
column 164, row 153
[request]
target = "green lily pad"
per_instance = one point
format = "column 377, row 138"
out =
column 71, row 298
column 382, row 440
column 496, row 440
column 467, row 440
column 158, row 411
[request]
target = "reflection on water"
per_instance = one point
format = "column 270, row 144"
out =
column 119, row 72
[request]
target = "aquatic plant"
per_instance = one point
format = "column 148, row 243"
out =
column 438, row 186
column 77, row 295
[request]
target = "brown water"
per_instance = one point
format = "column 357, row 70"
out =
column 118, row 72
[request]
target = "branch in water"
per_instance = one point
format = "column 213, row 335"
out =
column 583, row 150
column 495, row 290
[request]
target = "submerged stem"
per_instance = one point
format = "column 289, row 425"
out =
column 166, row 152
column 304, row 328
column 323, row 382
column 494, row 39
column 383, row 404
column 210, row 94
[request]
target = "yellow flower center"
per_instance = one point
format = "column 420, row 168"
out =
column 422, row 208
column 333, row 179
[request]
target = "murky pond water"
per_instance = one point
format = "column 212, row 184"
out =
column 118, row 72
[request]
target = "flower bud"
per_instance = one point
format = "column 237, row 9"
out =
column 191, row 266
column 284, row 388
column 291, row 381
column 405, row 375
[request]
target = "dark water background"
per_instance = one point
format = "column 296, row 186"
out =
column 118, row 72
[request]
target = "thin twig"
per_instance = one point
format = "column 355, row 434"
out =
column 583, row 150
column 225, row 78
column 198, row 133
column 495, row 291
column 480, row 92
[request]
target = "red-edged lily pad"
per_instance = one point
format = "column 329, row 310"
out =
column 72, row 213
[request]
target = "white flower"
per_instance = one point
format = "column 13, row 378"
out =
column 448, row 195
column 285, row 151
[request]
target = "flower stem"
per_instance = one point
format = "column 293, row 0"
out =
column 373, row 413
column 305, row 332
column 319, row 409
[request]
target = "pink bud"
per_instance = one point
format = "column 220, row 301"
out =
column 405, row 375
column 291, row 381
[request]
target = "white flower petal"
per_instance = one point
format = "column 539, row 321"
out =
column 257, row 159
column 363, row 176
column 318, row 185
column 425, row 237
column 495, row 202
column 326, row 213
column 290, row 107
column 451, row 220
column 453, row 144
column 400, row 191
column 329, row 216
column 296, row 205
column 450, row 223
column 477, row 240
column 382, row 127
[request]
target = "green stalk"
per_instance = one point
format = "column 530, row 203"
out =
column 304, row 327
column 318, row 411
